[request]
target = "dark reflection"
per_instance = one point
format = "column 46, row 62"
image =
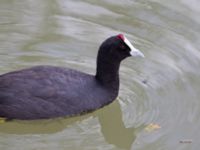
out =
column 110, row 119
column 113, row 128
column 39, row 126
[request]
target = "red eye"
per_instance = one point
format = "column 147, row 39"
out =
column 122, row 46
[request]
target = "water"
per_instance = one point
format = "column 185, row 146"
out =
column 158, row 106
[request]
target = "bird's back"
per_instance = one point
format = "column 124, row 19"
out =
column 46, row 92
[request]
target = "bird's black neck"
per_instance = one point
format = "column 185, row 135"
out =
column 108, row 73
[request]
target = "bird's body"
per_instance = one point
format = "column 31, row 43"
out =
column 47, row 92
column 54, row 91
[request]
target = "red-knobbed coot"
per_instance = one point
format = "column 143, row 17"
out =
column 43, row 92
